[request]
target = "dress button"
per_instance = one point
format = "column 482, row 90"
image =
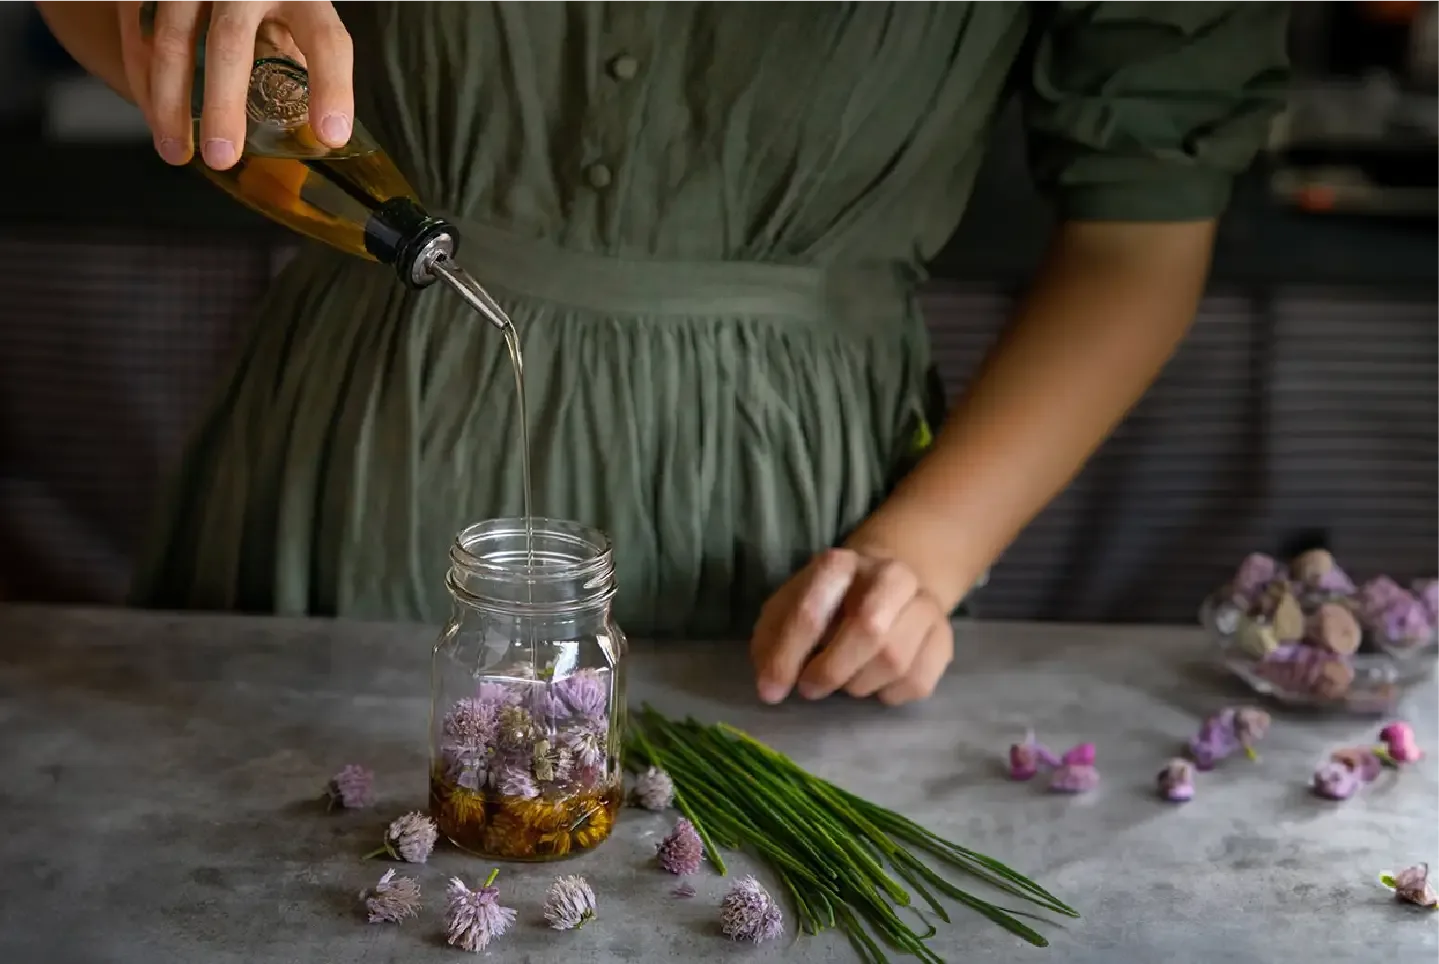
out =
column 599, row 176
column 624, row 67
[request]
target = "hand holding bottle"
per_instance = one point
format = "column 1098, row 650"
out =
column 160, row 67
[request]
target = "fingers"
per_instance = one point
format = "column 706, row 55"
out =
column 863, row 635
column 330, row 57
column 896, row 659
column 172, row 65
column 229, row 59
column 929, row 666
column 796, row 619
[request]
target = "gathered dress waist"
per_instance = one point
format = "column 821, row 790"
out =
column 862, row 298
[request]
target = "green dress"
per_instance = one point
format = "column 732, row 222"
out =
column 709, row 222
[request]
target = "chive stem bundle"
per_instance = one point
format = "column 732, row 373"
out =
column 827, row 847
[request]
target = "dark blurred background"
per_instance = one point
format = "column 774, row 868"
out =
column 1304, row 406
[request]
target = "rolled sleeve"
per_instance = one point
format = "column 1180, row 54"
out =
column 1148, row 111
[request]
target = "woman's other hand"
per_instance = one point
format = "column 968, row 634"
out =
column 856, row 623
column 160, row 67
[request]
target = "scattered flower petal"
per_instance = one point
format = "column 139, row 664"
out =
column 653, row 789
column 1335, row 781
column 570, row 903
column 749, row 913
column 1074, row 778
column 393, row 900
column 352, row 788
column 410, row 838
column 1176, row 781
column 683, row 891
column 1412, row 886
column 475, row 916
column 1083, row 755
column 1399, row 740
column 680, row 853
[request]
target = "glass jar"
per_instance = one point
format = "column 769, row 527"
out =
column 528, row 693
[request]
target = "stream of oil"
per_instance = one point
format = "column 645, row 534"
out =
column 517, row 362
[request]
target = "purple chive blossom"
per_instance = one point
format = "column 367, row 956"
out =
column 464, row 768
column 1026, row 758
column 1427, row 592
column 472, row 723
column 393, row 900
column 586, row 744
column 683, row 891
column 352, row 788
column 749, row 913
column 1378, row 593
column 585, row 694
column 1405, row 621
column 515, row 780
column 498, row 694
column 1362, row 761
column 681, row 852
column 1255, row 572
column 1400, row 743
column 1176, row 781
column 1412, row 886
column 570, row 903
column 1074, row 778
column 653, row 790
column 410, row 838
column 1215, row 741
column 1081, row 755
column 476, row 917
column 1335, row 781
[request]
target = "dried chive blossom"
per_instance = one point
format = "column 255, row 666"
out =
column 352, row 788
column 1026, row 758
column 410, row 838
column 476, row 917
column 653, row 790
column 749, row 913
column 1335, row 781
column 393, row 900
column 1176, row 781
column 1412, row 886
column 569, row 903
column 844, row 862
column 680, row 853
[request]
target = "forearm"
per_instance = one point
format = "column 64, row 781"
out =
column 90, row 32
column 1110, row 306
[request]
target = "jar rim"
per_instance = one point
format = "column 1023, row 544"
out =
column 577, row 562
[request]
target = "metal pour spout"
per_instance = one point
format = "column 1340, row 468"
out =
column 459, row 280
column 435, row 262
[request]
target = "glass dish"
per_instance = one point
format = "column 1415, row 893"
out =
column 1370, row 682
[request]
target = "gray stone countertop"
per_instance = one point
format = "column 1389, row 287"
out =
column 159, row 778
